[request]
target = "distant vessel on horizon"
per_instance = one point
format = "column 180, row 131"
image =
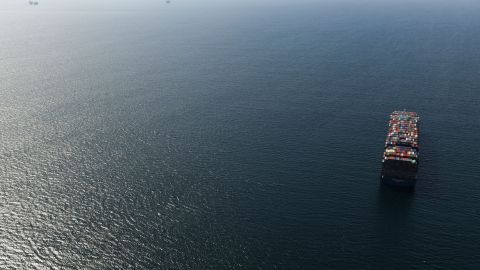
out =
column 400, row 158
column 33, row 3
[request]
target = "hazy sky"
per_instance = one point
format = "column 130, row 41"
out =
column 151, row 4
column 141, row 4
column 241, row 7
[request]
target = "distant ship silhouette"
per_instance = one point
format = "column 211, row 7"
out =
column 33, row 3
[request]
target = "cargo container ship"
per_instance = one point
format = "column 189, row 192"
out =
column 400, row 158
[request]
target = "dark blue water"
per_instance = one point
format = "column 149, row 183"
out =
column 236, row 136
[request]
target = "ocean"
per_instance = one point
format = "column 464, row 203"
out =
column 241, row 135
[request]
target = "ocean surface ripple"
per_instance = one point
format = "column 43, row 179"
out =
column 226, row 138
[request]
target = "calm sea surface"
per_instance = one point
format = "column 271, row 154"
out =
column 236, row 136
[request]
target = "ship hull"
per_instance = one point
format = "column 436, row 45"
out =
column 401, row 183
